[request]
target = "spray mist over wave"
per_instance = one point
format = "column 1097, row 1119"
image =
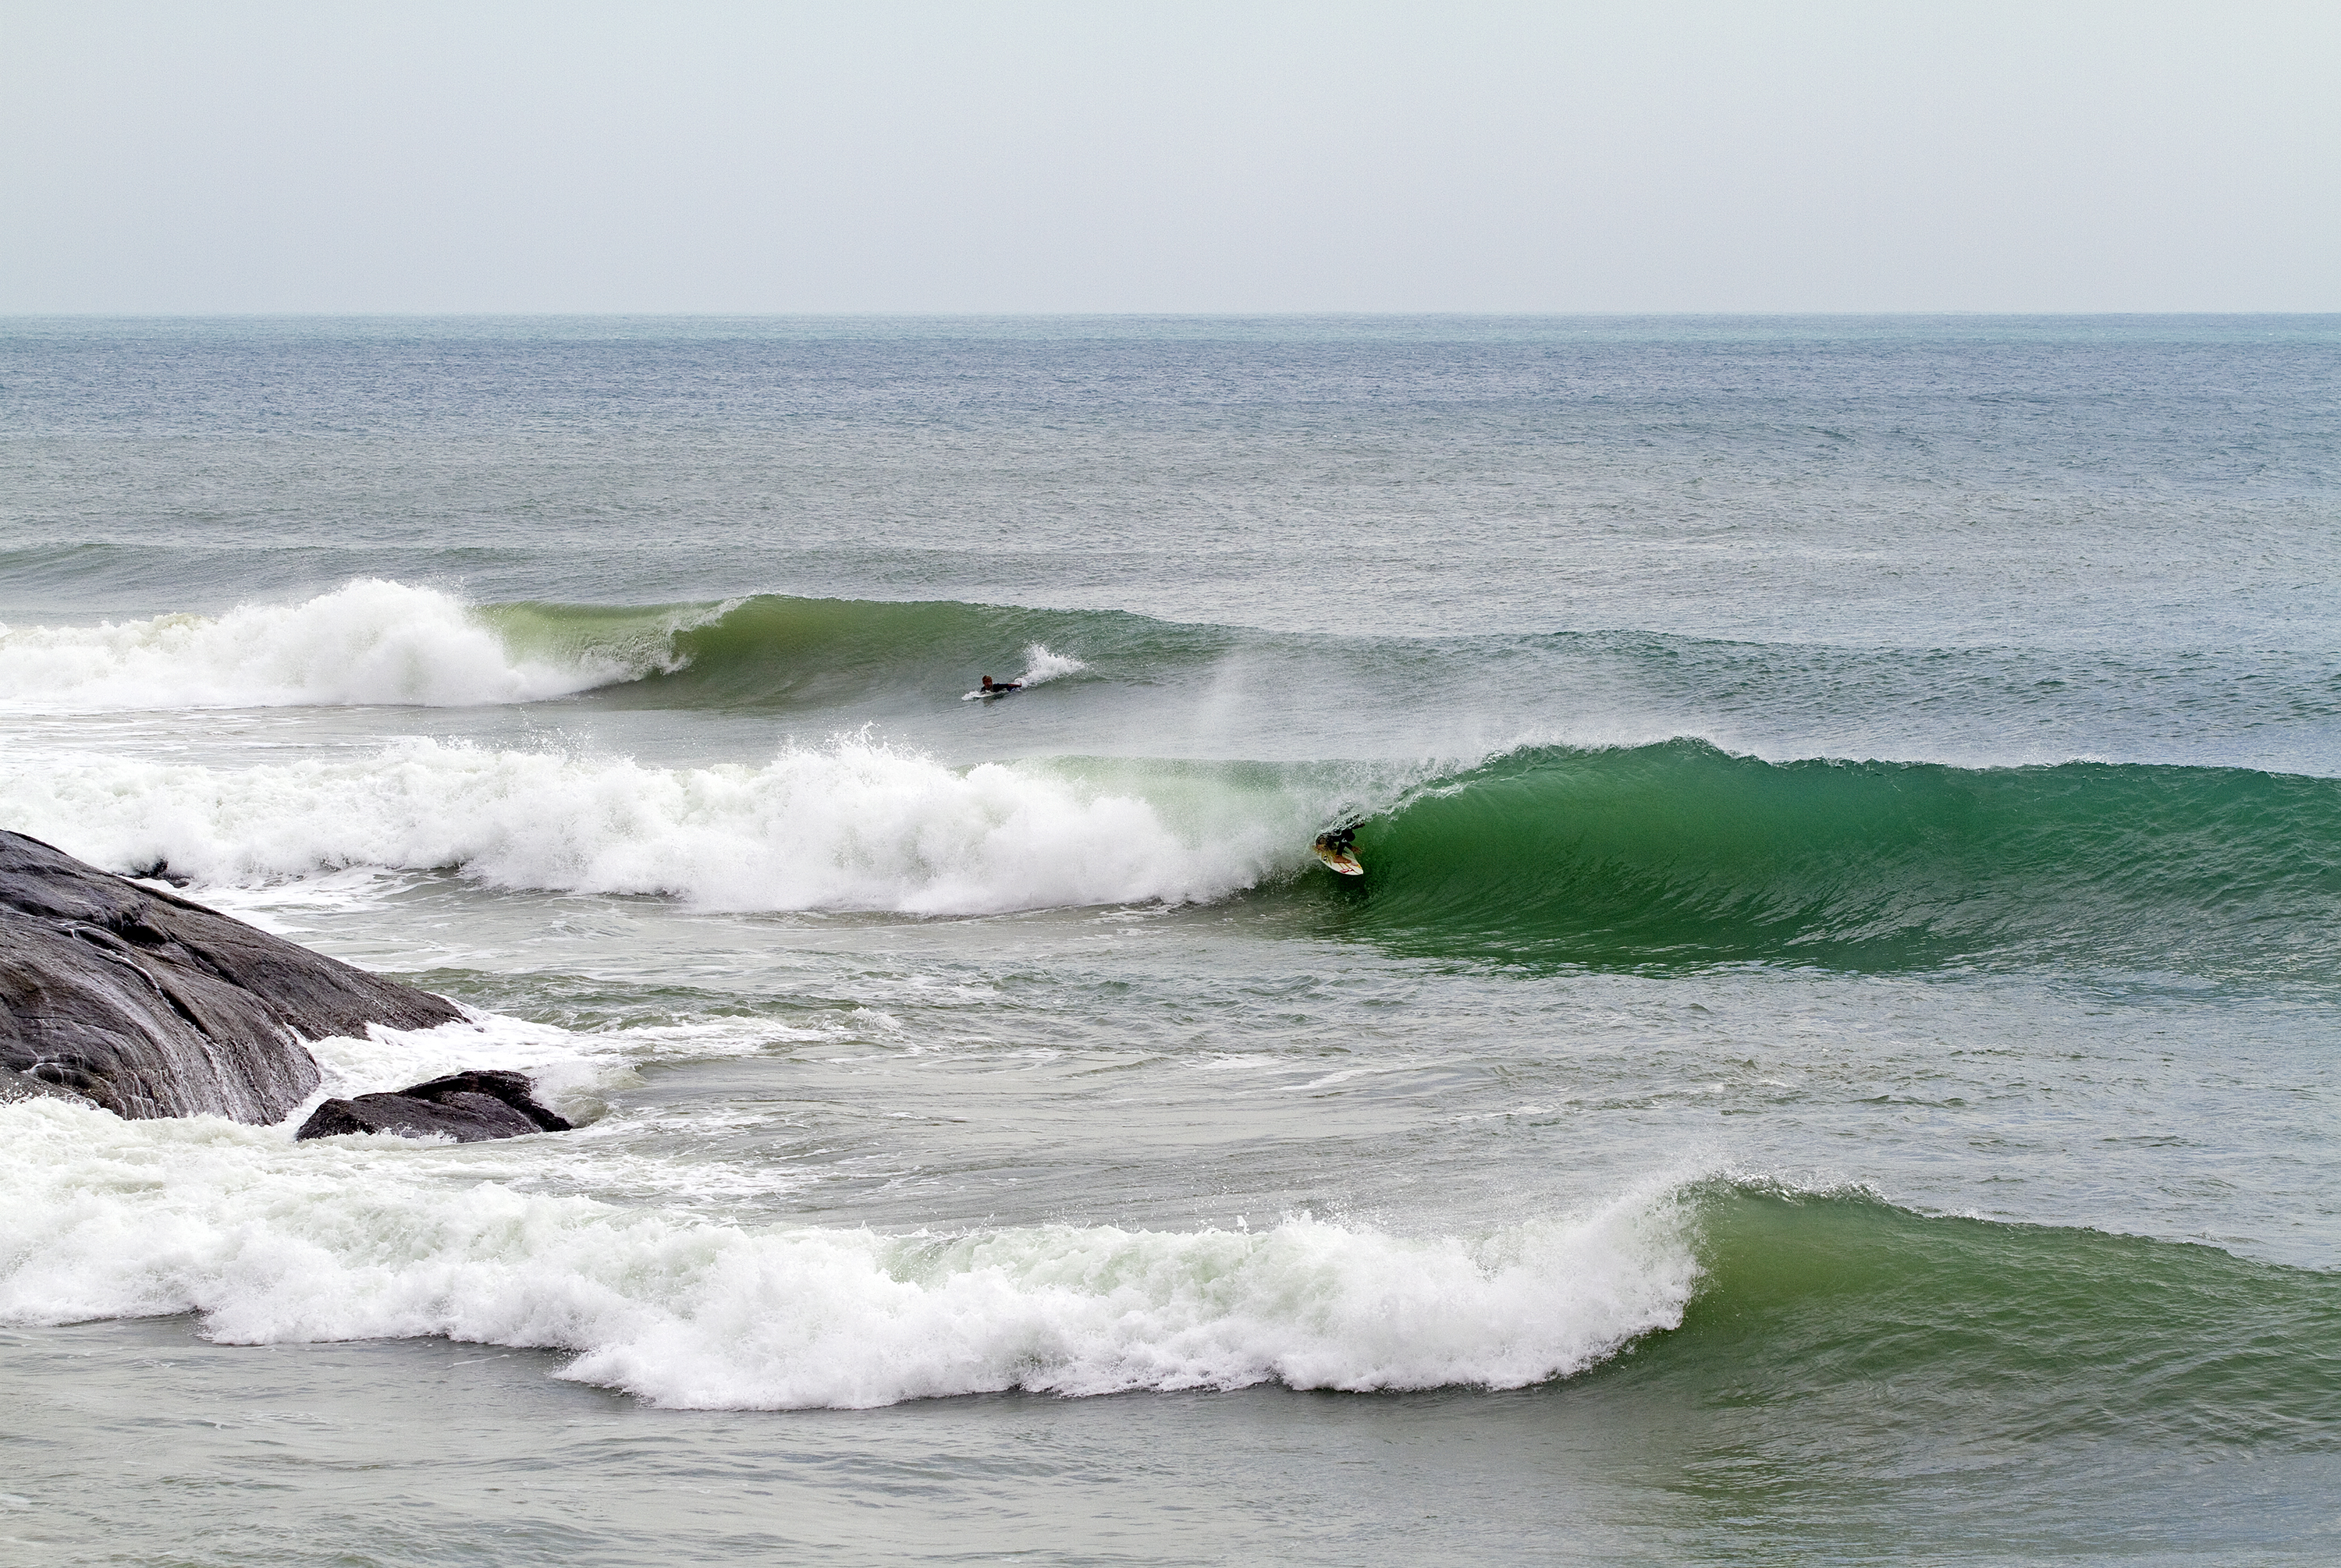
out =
column 370, row 642
column 1041, row 666
column 273, row 1243
column 853, row 826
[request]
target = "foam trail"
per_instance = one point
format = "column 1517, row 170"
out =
column 851, row 827
column 369, row 642
column 274, row 1242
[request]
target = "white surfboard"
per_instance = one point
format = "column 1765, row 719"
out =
column 1340, row 860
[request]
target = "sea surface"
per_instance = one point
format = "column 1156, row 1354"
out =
column 1833, row 1060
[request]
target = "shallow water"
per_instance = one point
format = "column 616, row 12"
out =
column 1831, row 1061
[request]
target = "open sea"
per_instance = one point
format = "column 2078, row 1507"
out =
column 1833, row 1060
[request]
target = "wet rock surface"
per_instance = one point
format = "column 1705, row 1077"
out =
column 469, row 1107
column 151, row 1005
column 16, row 1087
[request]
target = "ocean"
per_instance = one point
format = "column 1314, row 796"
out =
column 1832, row 1060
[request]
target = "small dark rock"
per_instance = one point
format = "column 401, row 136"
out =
column 470, row 1108
column 514, row 1089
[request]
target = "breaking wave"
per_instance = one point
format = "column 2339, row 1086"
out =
column 370, row 642
column 1784, row 1297
column 853, row 825
column 1653, row 855
column 274, row 1242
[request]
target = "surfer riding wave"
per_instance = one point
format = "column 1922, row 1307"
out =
column 1336, row 847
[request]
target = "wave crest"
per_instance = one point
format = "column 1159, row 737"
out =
column 369, row 642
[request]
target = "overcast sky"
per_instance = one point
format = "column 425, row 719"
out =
column 1171, row 156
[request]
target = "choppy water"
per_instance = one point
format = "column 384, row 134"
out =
column 1833, row 1059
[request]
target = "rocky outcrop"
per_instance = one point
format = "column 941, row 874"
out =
column 151, row 1005
column 469, row 1107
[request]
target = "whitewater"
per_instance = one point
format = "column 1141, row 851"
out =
column 696, row 1314
column 1831, row 1058
column 850, row 827
column 368, row 642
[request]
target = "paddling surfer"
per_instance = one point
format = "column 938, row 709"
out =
column 1001, row 688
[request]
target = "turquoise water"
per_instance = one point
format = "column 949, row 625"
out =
column 1831, row 1061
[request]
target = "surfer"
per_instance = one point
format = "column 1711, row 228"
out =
column 1334, row 848
column 1003, row 688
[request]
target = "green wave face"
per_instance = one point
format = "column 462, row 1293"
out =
column 1896, row 1331
column 773, row 651
column 1651, row 856
column 1679, row 853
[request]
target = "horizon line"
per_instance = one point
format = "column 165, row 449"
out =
column 906, row 314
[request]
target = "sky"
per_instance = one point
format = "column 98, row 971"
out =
column 909, row 156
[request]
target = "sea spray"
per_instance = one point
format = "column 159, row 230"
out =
column 1041, row 666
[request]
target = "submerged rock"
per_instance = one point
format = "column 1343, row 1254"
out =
column 150, row 1005
column 469, row 1107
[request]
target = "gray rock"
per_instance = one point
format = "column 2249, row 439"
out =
column 151, row 1005
column 16, row 1087
column 469, row 1107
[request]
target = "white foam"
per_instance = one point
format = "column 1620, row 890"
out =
column 370, row 642
column 354, row 1238
column 387, row 1058
column 851, row 825
column 571, row 1072
column 1041, row 666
